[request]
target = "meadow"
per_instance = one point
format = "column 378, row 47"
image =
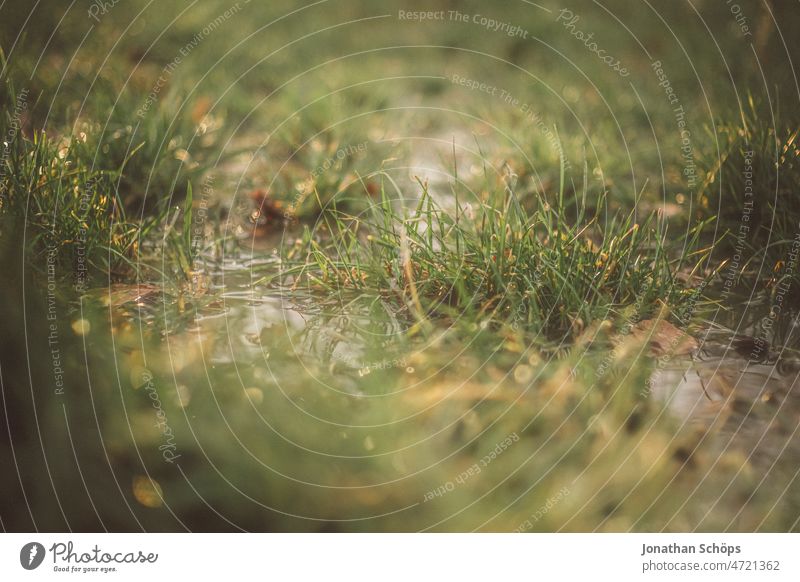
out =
column 399, row 266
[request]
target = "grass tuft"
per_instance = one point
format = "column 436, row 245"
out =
column 522, row 264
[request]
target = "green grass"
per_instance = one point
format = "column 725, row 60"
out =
column 751, row 180
column 93, row 195
column 71, row 208
column 522, row 263
column 386, row 335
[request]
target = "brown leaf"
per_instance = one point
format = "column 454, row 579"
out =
column 267, row 214
column 664, row 338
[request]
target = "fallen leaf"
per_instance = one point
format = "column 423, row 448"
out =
column 664, row 338
column 267, row 213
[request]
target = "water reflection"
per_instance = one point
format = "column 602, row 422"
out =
column 746, row 405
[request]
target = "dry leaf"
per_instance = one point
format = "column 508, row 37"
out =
column 664, row 338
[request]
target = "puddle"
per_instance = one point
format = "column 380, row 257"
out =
column 749, row 406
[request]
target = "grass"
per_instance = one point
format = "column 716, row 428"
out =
column 72, row 210
column 750, row 179
column 523, row 263
column 376, row 343
column 92, row 198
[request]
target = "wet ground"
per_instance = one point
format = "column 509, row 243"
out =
column 321, row 389
column 746, row 404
